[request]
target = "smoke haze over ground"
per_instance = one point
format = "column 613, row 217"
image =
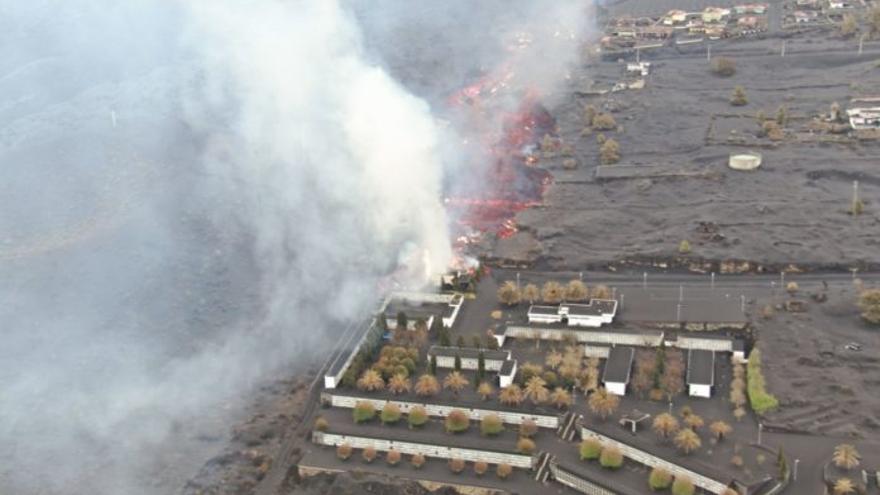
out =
column 197, row 195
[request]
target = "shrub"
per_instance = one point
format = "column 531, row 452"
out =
column 528, row 428
column 343, row 451
column 569, row 164
column 480, row 468
column 363, row 411
column 609, row 152
column 417, row 460
column 390, row 413
column 761, row 401
column 392, row 457
column 869, row 305
column 525, row 446
column 369, row 454
column 738, row 98
column 503, row 470
column 456, row 465
column 418, row 416
column 682, row 486
column 457, row 421
column 491, row 425
column 321, row 424
column 604, row 122
column 684, row 247
column 723, row 66
column 611, row 458
column 659, row 479
column 590, row 449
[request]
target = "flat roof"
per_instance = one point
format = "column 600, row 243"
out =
column 596, row 307
column 507, row 367
column 414, row 310
column 467, row 352
column 701, row 367
column 543, row 310
column 618, row 365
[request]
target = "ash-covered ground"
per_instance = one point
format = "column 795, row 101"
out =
column 792, row 210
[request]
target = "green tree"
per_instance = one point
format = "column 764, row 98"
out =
column 590, row 449
column 390, row 413
column 433, row 367
column 611, row 458
column 684, row 247
column 459, row 342
column 491, row 425
column 682, row 486
column 457, row 363
column 782, row 116
column 457, row 421
column 417, row 417
column 481, row 366
column 659, row 479
column 363, row 411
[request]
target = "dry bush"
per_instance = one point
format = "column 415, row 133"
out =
column 604, row 122
column 480, row 468
column 723, row 66
column 456, row 465
column 609, row 152
column 503, row 470
column 392, row 457
column 417, row 460
column 369, row 454
column 321, row 424
column 739, row 98
column 343, row 451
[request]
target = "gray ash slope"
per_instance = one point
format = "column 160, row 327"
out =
column 792, row 210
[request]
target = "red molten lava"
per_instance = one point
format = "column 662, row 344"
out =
column 510, row 183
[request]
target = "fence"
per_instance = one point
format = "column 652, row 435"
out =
column 586, row 336
column 575, row 482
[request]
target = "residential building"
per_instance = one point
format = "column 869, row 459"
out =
column 618, row 368
column 700, row 373
column 864, row 118
column 493, row 359
column 593, row 314
column 675, row 18
column 712, row 15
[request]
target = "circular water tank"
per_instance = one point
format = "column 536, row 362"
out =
column 745, row 161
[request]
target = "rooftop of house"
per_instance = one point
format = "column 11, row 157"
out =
column 468, row 353
column 618, row 365
column 507, row 368
column 701, row 367
column 415, row 310
column 596, row 307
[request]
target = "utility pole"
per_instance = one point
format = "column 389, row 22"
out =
column 113, row 118
column 783, row 48
column 581, row 276
column 622, row 297
column 712, row 283
column 854, row 209
column 680, row 293
column 708, row 51
column 760, row 429
column 639, row 53
column 678, row 313
column 517, row 280
column 794, row 474
column 742, row 303
column 644, row 280
column 782, row 280
column 862, row 43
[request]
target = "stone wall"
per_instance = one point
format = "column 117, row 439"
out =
column 429, row 450
column 652, row 461
column 441, row 411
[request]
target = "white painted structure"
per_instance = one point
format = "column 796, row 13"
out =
column 453, row 301
column 469, row 357
column 864, row 118
column 441, row 410
column 507, row 373
column 644, row 339
column 430, row 450
column 595, row 314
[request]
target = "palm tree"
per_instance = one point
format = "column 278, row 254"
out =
column 720, row 429
column 399, row 384
column 553, row 359
column 552, row 292
column 531, row 293
column 456, row 382
column 427, row 385
column 687, row 441
column 509, row 294
column 511, row 395
column 561, row 398
column 576, row 291
column 536, row 390
column 665, row 425
column 603, row 403
column 844, row 486
column 846, row 456
column 485, row 390
column 693, row 422
column 371, row 381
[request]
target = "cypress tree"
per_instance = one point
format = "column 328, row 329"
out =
column 481, row 367
column 433, row 365
column 457, row 365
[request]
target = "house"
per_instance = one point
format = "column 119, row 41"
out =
column 641, row 68
column 712, row 15
column 805, row 16
column 864, row 118
column 808, row 4
column 421, row 307
column 675, row 17
column 700, row 373
column 593, row 314
column 507, row 373
column 751, row 8
column 493, row 360
column 618, row 368
column 748, row 22
column 840, row 4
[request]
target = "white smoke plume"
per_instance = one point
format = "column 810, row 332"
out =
column 197, row 195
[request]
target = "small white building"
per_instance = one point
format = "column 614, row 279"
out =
column 618, row 368
column 507, row 373
column 700, row 373
column 594, row 314
column 864, row 118
column 493, row 359
column 424, row 307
